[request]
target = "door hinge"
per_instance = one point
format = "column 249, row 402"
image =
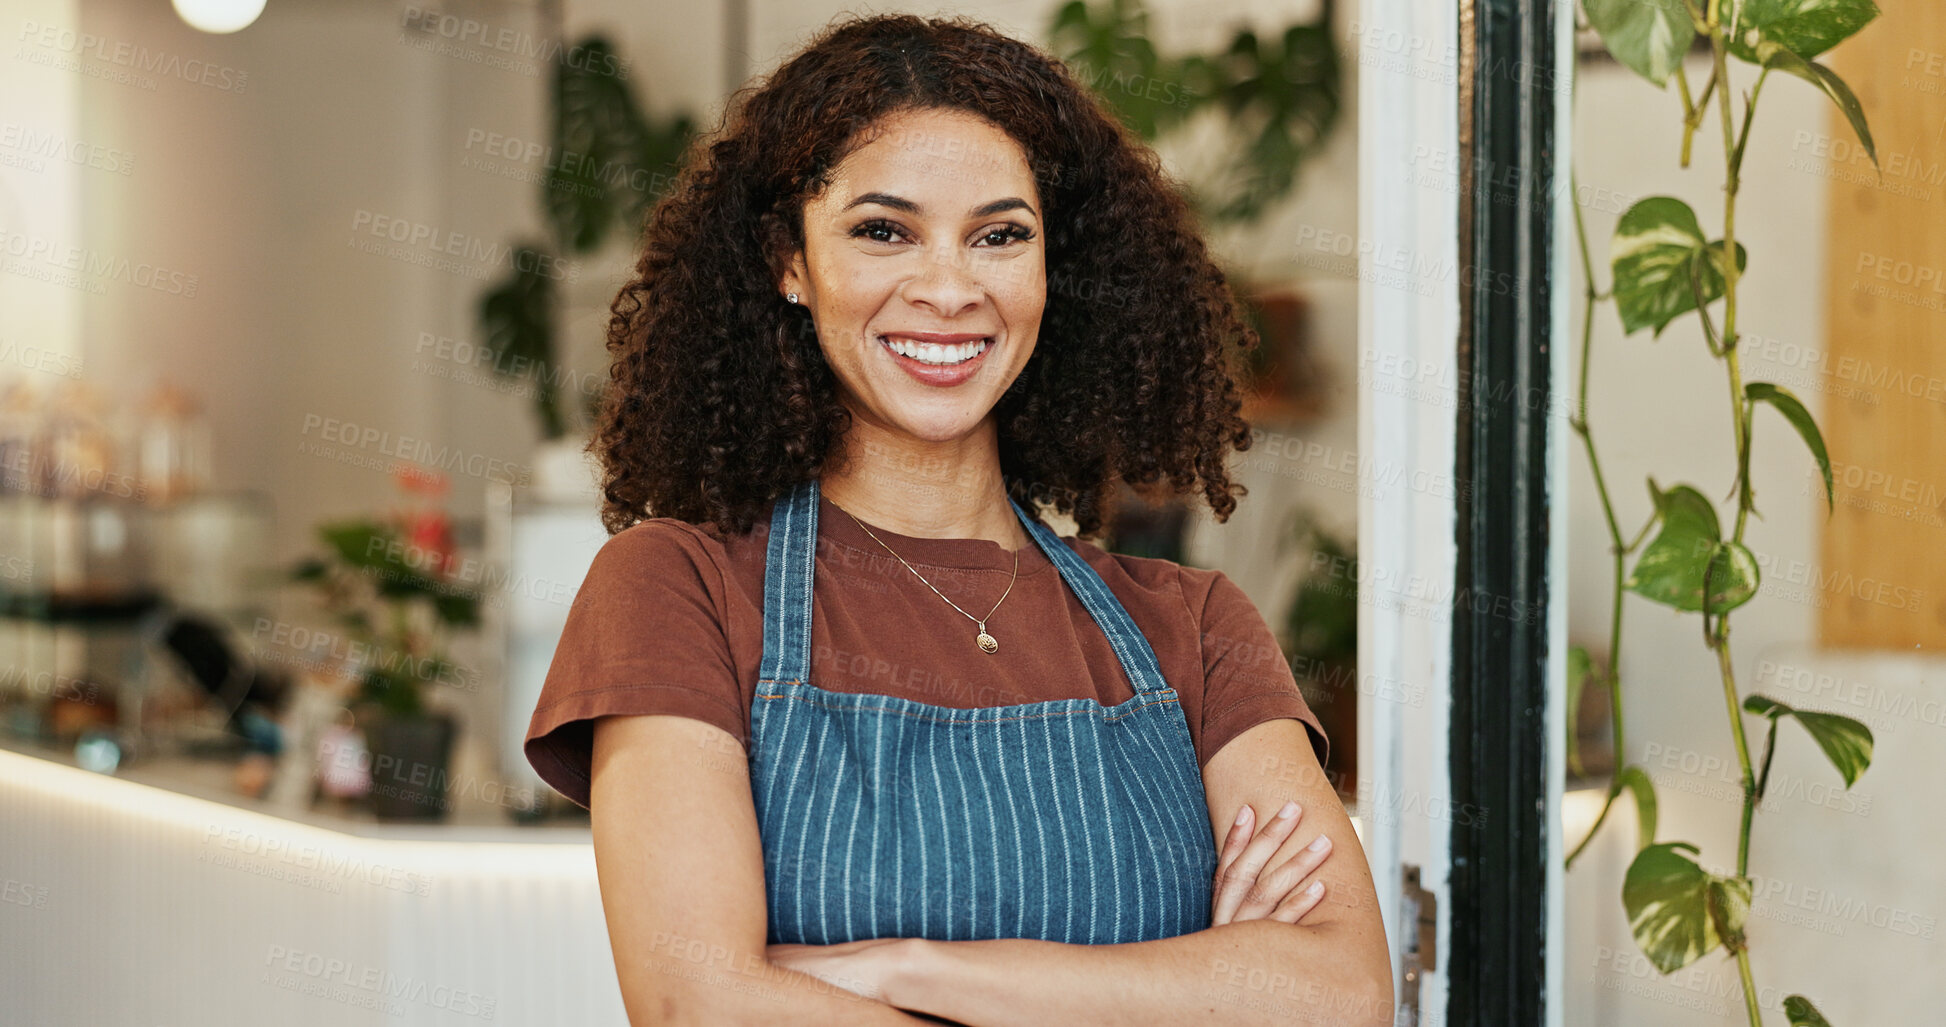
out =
column 1421, row 921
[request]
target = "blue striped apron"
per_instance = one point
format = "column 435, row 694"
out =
column 883, row 817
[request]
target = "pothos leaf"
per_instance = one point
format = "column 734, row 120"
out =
column 1637, row 781
column 1648, row 38
column 1730, row 577
column 1846, row 742
column 1688, row 565
column 1800, row 419
column 1667, row 896
column 1663, row 265
column 1580, row 668
column 1807, row 27
column 1802, row 1013
column 1729, row 907
column 1781, row 58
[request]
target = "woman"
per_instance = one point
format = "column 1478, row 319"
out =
column 861, row 736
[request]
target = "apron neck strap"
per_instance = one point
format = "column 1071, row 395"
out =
column 790, row 563
column 790, row 560
column 1131, row 648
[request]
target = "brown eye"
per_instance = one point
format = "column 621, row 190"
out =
column 1008, row 233
column 870, row 229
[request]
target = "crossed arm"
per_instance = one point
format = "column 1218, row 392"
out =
column 681, row 875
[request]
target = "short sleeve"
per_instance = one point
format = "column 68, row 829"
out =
column 644, row 635
column 1247, row 679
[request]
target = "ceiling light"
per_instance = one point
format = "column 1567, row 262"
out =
column 219, row 15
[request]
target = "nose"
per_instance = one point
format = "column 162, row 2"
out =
column 945, row 285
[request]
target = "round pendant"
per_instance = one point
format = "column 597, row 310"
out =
column 987, row 644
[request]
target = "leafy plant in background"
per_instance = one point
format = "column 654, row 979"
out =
column 1321, row 639
column 1280, row 97
column 389, row 583
column 1665, row 267
column 606, row 166
column 1323, row 619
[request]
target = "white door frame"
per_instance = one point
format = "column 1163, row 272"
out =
column 1415, row 63
column 1401, row 532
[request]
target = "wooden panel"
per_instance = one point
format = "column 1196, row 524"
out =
column 1883, row 558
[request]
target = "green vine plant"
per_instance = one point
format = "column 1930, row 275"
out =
column 1280, row 95
column 609, row 161
column 1664, row 267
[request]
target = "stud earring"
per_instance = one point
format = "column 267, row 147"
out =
column 792, row 297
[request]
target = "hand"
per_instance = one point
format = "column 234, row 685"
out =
column 1243, row 891
column 862, row 967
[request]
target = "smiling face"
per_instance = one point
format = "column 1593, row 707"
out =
column 924, row 269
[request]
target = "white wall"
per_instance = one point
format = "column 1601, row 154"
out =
column 257, row 191
column 1846, row 881
column 39, row 199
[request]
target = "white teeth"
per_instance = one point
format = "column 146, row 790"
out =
column 933, row 353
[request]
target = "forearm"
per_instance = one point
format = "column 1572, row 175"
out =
column 1246, row 972
column 679, row 989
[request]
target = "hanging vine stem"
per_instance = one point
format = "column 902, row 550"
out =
column 1579, row 422
column 1740, row 420
column 1721, row 344
column 1620, row 551
column 1678, row 909
column 1692, row 111
column 1732, row 157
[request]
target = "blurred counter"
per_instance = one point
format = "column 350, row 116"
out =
column 475, row 815
column 157, row 896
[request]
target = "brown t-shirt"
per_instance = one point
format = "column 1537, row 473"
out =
column 669, row 620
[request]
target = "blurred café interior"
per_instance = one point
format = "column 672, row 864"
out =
column 300, row 295
column 269, row 336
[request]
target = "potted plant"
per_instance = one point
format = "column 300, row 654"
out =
column 390, row 583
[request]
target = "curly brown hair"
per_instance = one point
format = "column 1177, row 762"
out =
column 1132, row 379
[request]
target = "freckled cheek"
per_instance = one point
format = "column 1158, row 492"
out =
column 847, row 300
column 1021, row 286
column 861, row 294
column 1023, row 310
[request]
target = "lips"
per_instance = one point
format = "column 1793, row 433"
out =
column 938, row 347
column 938, row 354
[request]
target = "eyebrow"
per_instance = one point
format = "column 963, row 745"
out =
column 900, row 203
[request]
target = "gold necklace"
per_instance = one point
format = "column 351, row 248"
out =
column 987, row 643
